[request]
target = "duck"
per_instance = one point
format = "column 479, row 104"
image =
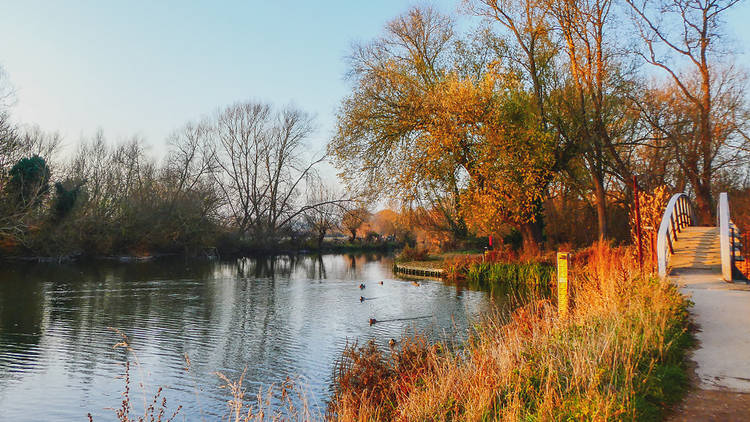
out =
column 415, row 283
column 381, row 283
column 373, row 321
column 392, row 342
column 361, row 299
column 362, row 286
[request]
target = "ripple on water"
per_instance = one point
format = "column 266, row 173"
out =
column 57, row 360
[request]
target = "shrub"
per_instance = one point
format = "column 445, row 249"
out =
column 414, row 253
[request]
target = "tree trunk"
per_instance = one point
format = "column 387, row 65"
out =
column 531, row 235
column 601, row 206
column 320, row 240
column 703, row 204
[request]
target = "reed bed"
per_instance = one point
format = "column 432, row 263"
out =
column 618, row 356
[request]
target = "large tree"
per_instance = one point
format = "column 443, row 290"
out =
column 704, row 95
column 419, row 116
column 327, row 215
column 592, row 103
column 380, row 123
column 527, row 42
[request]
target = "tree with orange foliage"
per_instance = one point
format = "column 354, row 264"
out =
column 491, row 129
column 380, row 123
column 353, row 219
column 416, row 118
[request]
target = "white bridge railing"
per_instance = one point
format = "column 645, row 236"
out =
column 726, row 236
column 679, row 214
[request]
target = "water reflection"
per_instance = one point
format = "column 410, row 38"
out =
column 277, row 317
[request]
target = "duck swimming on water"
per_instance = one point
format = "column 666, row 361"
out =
column 362, row 286
column 361, row 299
column 373, row 321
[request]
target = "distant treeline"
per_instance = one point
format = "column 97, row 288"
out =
column 238, row 181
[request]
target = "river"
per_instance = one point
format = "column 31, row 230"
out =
column 272, row 317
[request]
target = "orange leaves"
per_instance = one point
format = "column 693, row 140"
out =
column 514, row 166
column 489, row 128
column 419, row 126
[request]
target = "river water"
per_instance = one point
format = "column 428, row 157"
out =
column 272, row 317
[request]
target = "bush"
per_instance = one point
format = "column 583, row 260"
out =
column 415, row 253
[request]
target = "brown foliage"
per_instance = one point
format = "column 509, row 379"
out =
column 366, row 375
column 597, row 365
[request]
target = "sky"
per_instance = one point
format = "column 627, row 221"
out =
column 147, row 67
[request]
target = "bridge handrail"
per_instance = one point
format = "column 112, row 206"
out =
column 723, row 222
column 677, row 215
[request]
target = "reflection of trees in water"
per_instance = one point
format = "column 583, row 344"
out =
column 265, row 266
column 356, row 262
column 352, row 263
column 262, row 313
column 224, row 314
column 311, row 267
column 282, row 267
column 76, row 303
column 21, row 315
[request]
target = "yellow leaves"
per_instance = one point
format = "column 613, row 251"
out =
column 421, row 133
column 652, row 206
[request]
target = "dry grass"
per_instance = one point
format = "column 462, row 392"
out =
column 618, row 357
column 287, row 402
column 155, row 409
column 413, row 254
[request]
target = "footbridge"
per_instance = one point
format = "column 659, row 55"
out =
column 683, row 246
column 704, row 262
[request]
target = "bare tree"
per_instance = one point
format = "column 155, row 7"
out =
column 591, row 110
column 9, row 144
column 322, row 219
column 263, row 172
column 683, row 39
column 191, row 162
column 22, row 147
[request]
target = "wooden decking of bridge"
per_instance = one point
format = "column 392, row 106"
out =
column 697, row 248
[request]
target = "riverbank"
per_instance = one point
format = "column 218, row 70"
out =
column 214, row 252
column 620, row 356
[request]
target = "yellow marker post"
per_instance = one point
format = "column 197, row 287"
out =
column 562, row 284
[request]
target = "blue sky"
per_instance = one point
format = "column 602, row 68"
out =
column 148, row 67
column 145, row 67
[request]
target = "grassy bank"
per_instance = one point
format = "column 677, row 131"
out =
column 618, row 356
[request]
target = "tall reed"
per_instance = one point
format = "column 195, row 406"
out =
column 619, row 356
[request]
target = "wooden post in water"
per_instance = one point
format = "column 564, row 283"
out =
column 562, row 284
